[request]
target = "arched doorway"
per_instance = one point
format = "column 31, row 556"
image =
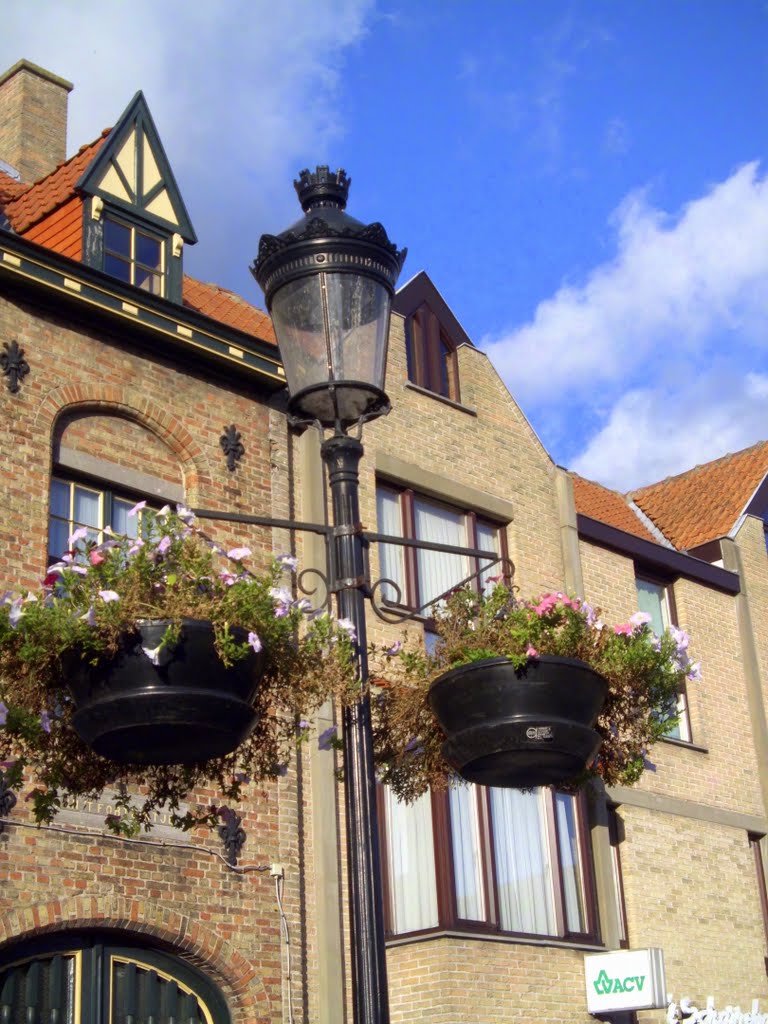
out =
column 103, row 978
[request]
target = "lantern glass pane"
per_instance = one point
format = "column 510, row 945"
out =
column 297, row 314
column 358, row 317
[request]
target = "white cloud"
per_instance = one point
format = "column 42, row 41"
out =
column 676, row 284
column 240, row 93
column 654, row 433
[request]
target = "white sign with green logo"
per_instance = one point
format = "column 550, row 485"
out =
column 631, row 979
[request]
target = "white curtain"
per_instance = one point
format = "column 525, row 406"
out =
column 389, row 518
column 438, row 572
column 570, row 862
column 467, row 864
column 523, row 862
column 411, row 864
column 487, row 540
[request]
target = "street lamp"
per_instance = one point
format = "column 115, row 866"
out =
column 328, row 282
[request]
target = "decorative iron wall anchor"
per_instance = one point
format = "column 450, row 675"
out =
column 14, row 365
column 232, row 446
column 232, row 835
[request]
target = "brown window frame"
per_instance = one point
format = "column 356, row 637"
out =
column 431, row 354
column 447, row 913
column 407, row 496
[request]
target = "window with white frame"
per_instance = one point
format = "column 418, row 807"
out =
column 75, row 504
column 657, row 600
column 422, row 575
column 487, row 859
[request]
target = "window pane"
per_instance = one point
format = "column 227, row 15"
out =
column 148, row 281
column 467, row 863
column 148, row 251
column 523, row 862
column 117, row 268
column 88, row 511
column 87, row 507
column 439, row 572
column 651, row 598
column 117, row 237
column 60, row 493
column 121, row 522
column 58, row 536
column 570, row 863
column 411, row 864
column 389, row 519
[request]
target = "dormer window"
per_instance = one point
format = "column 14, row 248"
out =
column 431, row 355
column 135, row 223
column 433, row 337
column 133, row 256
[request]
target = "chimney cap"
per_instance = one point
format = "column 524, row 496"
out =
column 35, row 69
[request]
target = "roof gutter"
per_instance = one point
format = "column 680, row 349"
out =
column 655, row 556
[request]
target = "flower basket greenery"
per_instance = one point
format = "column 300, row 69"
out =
column 644, row 674
column 94, row 601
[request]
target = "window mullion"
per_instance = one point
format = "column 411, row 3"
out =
column 444, row 868
column 486, row 858
column 410, row 560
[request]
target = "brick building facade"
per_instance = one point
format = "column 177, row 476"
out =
column 135, row 372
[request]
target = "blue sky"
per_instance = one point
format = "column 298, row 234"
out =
column 585, row 182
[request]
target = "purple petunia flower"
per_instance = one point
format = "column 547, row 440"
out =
column 348, row 626
column 108, row 595
column 45, row 721
column 254, row 641
column 137, row 508
column 90, row 616
column 162, row 547
column 238, row 554
column 326, row 739
column 79, row 534
column 3, row 712
column 289, row 562
column 391, row 651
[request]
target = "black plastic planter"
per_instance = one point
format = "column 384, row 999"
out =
column 519, row 728
column 186, row 708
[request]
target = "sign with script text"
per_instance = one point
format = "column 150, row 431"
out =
column 630, row 979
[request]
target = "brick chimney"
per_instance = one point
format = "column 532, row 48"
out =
column 33, row 120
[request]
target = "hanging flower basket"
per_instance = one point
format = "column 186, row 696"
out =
column 176, row 703
column 524, row 693
column 153, row 665
column 519, row 727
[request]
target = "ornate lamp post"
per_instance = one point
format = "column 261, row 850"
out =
column 328, row 281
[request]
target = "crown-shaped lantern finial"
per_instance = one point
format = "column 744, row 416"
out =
column 322, row 188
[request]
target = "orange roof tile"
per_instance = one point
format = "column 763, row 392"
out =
column 228, row 308
column 608, row 507
column 52, row 191
column 705, row 502
column 10, row 188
